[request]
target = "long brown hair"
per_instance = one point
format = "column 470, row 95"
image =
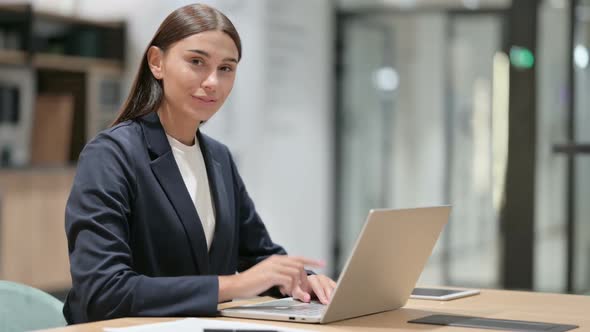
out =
column 146, row 92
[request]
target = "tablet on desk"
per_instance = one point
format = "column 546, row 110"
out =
column 441, row 294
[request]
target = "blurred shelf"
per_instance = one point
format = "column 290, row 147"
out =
column 42, row 169
column 74, row 63
column 56, row 17
column 60, row 62
column 81, row 42
column 16, row 8
column 54, row 53
column 13, row 57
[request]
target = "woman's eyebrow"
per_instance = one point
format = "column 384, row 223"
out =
column 206, row 54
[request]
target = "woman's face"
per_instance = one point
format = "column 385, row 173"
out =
column 197, row 73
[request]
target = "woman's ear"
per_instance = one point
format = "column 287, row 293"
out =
column 155, row 58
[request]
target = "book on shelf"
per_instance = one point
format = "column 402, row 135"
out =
column 52, row 129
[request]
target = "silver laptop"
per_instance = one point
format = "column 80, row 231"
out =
column 380, row 273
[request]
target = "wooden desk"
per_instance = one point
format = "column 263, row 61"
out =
column 552, row 308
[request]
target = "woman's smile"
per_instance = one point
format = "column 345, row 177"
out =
column 204, row 100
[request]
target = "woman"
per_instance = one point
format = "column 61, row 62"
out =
column 158, row 220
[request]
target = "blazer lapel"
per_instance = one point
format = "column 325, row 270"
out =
column 166, row 171
column 223, row 238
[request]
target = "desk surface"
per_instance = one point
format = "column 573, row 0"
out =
column 541, row 307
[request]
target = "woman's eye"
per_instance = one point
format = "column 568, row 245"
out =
column 226, row 69
column 196, row 61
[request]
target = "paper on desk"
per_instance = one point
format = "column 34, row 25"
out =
column 197, row 325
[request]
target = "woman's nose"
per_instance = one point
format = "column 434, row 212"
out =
column 211, row 81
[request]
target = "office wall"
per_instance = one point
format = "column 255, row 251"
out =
column 435, row 145
column 277, row 121
column 419, row 146
column 550, row 206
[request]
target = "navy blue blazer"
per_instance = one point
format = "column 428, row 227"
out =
column 135, row 240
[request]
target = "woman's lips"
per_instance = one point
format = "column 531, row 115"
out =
column 205, row 100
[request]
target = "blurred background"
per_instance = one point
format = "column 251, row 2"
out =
column 339, row 107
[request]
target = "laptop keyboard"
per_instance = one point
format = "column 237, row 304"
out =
column 288, row 307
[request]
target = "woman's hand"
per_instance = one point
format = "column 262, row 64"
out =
column 286, row 272
column 322, row 287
